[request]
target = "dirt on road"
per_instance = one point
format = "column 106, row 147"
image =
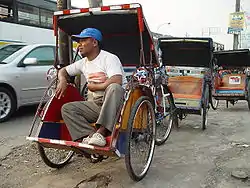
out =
column 218, row 157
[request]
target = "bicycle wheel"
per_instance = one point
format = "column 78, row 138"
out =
column 55, row 158
column 84, row 92
column 214, row 102
column 248, row 95
column 205, row 107
column 140, row 140
column 164, row 114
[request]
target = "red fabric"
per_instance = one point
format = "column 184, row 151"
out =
column 64, row 134
column 140, row 19
column 53, row 111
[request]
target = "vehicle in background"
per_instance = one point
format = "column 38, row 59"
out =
column 191, row 71
column 185, row 71
column 8, row 49
column 27, row 21
column 23, row 77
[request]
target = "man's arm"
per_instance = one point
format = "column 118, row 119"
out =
column 102, row 86
column 62, row 85
column 63, row 76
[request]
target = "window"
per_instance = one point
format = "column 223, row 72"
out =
column 46, row 18
column 32, row 15
column 28, row 14
column 44, row 55
column 8, row 50
column 78, row 57
column 6, row 12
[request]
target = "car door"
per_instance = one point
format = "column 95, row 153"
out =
column 33, row 77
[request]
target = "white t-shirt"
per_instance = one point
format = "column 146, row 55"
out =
column 105, row 62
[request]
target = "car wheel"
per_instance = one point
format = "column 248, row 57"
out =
column 7, row 104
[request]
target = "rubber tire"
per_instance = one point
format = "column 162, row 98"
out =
column 205, row 107
column 48, row 162
column 248, row 94
column 176, row 120
column 128, row 139
column 214, row 107
column 84, row 92
column 171, row 101
column 13, row 103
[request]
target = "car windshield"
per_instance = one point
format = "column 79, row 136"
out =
column 26, row 48
column 14, row 55
column 8, row 50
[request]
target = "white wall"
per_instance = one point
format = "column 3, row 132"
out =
column 27, row 34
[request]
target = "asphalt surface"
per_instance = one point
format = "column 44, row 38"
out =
column 191, row 158
column 13, row 132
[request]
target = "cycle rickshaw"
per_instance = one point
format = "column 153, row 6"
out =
column 125, row 34
column 232, row 76
column 190, row 66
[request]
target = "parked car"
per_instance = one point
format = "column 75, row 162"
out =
column 23, row 78
column 8, row 49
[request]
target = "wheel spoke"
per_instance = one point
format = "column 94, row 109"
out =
column 56, row 157
column 141, row 141
column 1, row 112
column 163, row 117
column 5, row 105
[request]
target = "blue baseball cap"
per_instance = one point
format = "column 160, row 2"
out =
column 88, row 33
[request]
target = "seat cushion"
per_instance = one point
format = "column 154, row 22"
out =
column 186, row 86
column 232, row 82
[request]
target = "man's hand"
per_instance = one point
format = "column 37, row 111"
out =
column 61, row 88
column 92, row 86
column 98, row 77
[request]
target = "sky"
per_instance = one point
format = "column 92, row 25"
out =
column 186, row 17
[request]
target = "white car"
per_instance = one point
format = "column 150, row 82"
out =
column 8, row 49
column 23, row 78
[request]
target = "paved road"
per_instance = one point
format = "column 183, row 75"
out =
column 13, row 132
column 191, row 158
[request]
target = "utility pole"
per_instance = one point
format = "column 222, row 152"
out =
column 64, row 41
column 236, row 36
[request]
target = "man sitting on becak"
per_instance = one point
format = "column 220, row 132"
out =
column 105, row 77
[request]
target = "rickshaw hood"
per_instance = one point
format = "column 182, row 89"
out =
column 120, row 29
column 190, row 52
column 233, row 58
